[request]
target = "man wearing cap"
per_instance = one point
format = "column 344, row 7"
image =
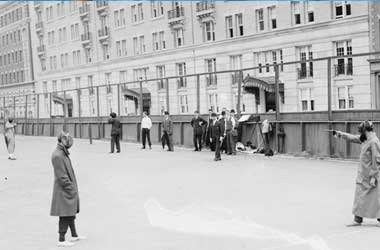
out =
column 197, row 123
column 367, row 194
column 115, row 132
column 167, row 130
column 231, row 131
column 65, row 201
column 217, row 134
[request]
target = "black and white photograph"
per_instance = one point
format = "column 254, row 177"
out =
column 190, row 125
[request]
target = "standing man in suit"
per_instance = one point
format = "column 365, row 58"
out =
column 223, row 119
column 231, row 133
column 197, row 124
column 167, row 129
column 217, row 134
column 115, row 132
column 146, row 125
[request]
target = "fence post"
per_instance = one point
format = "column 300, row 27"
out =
column 90, row 132
column 198, row 94
column 167, row 95
column 238, row 107
column 331, row 148
column 277, row 96
column 97, row 102
column 118, row 101
column 38, row 114
column 141, row 99
column 79, row 103
column 26, row 116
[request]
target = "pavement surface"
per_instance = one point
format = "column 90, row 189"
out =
column 158, row 200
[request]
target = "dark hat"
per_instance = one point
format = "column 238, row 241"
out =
column 113, row 115
column 166, row 113
column 209, row 110
column 232, row 111
column 365, row 126
column 196, row 112
column 213, row 114
column 223, row 113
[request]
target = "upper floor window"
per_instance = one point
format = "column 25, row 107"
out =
column 178, row 37
column 210, row 64
column 343, row 65
column 160, row 71
column 106, row 51
column 264, row 59
column 342, row 9
column 229, row 27
column 239, row 24
column 208, row 31
column 310, row 11
column 139, row 45
column 296, row 12
column 272, row 17
column 260, row 19
column 345, row 97
column 306, row 68
column 137, row 13
column 307, row 99
column 181, row 71
column 157, row 9
column 119, row 18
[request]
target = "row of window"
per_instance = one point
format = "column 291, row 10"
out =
column 11, row 57
column 12, row 16
column 11, row 37
column 12, row 77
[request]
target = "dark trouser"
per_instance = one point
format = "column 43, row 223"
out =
column 197, row 139
column 266, row 141
column 64, row 223
column 217, row 147
column 169, row 140
column 206, row 138
column 230, row 143
column 359, row 219
column 146, row 134
column 115, row 139
column 223, row 146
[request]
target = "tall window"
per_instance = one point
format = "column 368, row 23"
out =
column 306, row 68
column 123, row 76
column 235, row 64
column 178, row 37
column 260, row 19
column 106, row 51
column 345, row 97
column 77, row 82
column 213, row 102
column 342, row 9
column 162, row 39
column 181, row 71
column 160, row 70
column 208, row 31
column 310, row 11
column 88, row 55
column 139, row 45
column 118, row 48
column 140, row 12
column 134, row 14
column 296, row 11
column 344, row 65
column 116, row 18
column 307, row 99
column 157, row 9
column 156, row 44
column 183, row 104
column 211, row 79
column 123, row 47
column 136, row 50
column 142, row 44
column 229, row 27
column 123, row 22
column 264, row 58
column 239, row 24
column 272, row 17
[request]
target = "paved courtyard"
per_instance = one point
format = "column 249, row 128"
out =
column 156, row 200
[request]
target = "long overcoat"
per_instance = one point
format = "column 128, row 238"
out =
column 65, row 201
column 367, row 197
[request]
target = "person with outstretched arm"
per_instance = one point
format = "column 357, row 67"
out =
column 367, row 194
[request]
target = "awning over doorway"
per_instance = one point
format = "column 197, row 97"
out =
column 253, row 84
column 61, row 100
column 135, row 92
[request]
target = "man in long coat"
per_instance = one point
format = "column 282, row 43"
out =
column 367, row 194
column 9, row 135
column 217, row 135
column 65, row 201
column 115, row 132
column 197, row 123
column 167, row 130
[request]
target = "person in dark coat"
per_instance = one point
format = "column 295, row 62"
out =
column 217, row 135
column 223, row 119
column 167, row 130
column 65, row 201
column 115, row 132
column 207, row 133
column 197, row 124
column 231, row 133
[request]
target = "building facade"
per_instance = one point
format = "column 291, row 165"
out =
column 88, row 44
column 16, row 62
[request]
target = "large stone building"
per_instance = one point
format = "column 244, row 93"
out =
column 16, row 67
column 87, row 44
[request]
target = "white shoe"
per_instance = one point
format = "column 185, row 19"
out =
column 80, row 237
column 65, row 244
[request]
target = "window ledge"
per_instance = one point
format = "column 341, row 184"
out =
column 138, row 23
column 158, row 18
column 343, row 77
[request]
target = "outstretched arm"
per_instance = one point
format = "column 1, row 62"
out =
column 349, row 137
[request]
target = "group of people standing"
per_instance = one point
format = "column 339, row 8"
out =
column 219, row 133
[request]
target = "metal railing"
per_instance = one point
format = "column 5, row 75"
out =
column 205, row 5
column 176, row 13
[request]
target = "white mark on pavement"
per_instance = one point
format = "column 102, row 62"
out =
column 221, row 222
